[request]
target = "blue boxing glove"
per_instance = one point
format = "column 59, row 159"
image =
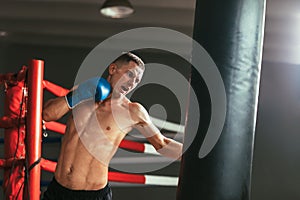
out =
column 97, row 88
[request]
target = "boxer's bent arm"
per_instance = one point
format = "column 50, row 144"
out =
column 54, row 109
column 163, row 145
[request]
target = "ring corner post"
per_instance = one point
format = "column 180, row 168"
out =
column 34, row 128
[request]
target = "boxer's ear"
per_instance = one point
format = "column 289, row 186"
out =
column 112, row 68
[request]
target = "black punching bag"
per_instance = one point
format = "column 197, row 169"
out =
column 231, row 31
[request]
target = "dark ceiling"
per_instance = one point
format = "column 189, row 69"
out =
column 78, row 23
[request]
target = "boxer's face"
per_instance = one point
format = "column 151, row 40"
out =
column 125, row 78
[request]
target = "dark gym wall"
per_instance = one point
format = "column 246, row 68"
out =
column 277, row 151
column 61, row 63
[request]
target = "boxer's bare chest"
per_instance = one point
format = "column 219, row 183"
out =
column 114, row 117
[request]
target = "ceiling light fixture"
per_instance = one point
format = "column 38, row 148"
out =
column 116, row 8
column 3, row 33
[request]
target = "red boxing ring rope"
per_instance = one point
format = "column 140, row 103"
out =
column 55, row 89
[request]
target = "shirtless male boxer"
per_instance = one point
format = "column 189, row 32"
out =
column 79, row 173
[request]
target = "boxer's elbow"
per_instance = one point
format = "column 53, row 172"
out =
column 54, row 109
column 158, row 141
column 47, row 115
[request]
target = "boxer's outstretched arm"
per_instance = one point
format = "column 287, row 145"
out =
column 163, row 145
column 54, row 109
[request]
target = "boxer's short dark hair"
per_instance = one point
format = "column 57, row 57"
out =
column 126, row 57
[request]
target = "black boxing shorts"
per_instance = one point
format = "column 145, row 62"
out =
column 55, row 191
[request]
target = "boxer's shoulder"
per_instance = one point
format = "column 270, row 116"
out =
column 138, row 112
